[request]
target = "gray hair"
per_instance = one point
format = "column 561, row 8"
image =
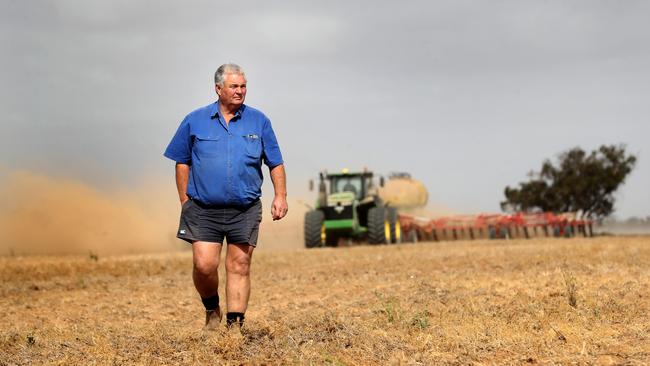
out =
column 226, row 69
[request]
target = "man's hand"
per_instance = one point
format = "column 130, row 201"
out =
column 279, row 208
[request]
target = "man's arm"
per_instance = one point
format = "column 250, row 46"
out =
column 182, row 176
column 279, row 178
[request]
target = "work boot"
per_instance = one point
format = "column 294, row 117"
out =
column 234, row 323
column 212, row 319
column 234, row 331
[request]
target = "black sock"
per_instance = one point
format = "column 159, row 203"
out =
column 211, row 303
column 232, row 318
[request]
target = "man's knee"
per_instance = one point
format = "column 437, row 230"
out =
column 206, row 266
column 239, row 265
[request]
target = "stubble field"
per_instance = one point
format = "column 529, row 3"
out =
column 543, row 301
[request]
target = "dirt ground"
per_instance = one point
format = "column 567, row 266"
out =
column 542, row 301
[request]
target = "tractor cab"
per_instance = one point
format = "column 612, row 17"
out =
column 356, row 183
column 345, row 188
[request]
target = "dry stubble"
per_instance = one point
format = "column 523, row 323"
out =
column 432, row 303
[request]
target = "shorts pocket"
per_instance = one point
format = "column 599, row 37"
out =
column 185, row 204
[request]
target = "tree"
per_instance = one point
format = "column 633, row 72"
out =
column 581, row 182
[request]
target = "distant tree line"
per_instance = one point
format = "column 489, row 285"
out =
column 580, row 182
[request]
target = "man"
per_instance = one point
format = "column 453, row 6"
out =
column 219, row 150
column 349, row 187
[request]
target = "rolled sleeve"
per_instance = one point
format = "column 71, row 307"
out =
column 180, row 147
column 272, row 154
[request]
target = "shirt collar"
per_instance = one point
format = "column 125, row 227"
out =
column 214, row 110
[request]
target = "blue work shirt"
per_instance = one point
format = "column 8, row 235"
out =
column 225, row 159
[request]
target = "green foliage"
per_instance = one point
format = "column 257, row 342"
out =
column 421, row 320
column 581, row 182
column 390, row 307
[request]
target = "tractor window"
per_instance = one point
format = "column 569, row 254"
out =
column 347, row 184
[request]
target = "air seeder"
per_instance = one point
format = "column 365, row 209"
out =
column 349, row 208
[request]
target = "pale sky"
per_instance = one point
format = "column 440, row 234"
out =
column 467, row 96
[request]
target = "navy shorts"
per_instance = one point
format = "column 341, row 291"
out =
column 237, row 225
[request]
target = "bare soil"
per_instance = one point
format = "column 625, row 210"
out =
column 540, row 301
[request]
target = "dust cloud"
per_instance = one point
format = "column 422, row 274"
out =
column 47, row 215
column 430, row 211
column 44, row 215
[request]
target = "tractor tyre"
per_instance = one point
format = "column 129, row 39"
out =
column 394, row 226
column 314, row 229
column 377, row 225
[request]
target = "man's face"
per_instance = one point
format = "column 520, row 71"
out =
column 233, row 91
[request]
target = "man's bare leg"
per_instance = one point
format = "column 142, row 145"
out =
column 205, row 275
column 238, row 281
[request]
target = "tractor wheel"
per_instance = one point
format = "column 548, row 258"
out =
column 395, row 229
column 314, row 229
column 376, row 226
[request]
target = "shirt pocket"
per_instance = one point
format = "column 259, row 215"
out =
column 253, row 145
column 206, row 146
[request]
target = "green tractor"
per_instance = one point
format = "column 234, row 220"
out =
column 349, row 208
